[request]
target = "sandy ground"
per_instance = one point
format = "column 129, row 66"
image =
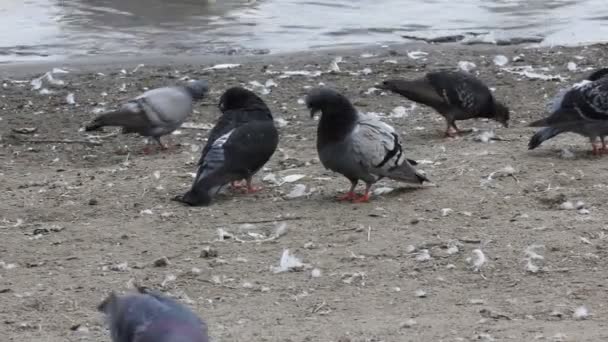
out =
column 81, row 220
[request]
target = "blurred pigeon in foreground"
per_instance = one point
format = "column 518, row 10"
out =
column 149, row 316
column 583, row 110
column 155, row 113
column 242, row 141
column 357, row 146
column 456, row 95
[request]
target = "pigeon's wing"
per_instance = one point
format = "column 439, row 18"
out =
column 421, row 91
column 377, row 147
column 166, row 106
column 226, row 123
column 592, row 100
column 250, row 147
column 461, row 90
column 130, row 116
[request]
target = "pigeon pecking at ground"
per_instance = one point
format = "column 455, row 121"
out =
column 149, row 316
column 456, row 95
column 582, row 109
column 155, row 113
column 239, row 145
column 356, row 145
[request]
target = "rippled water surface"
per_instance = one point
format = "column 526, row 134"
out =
column 35, row 29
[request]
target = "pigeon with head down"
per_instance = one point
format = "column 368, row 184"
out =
column 155, row 113
column 358, row 146
column 149, row 316
column 456, row 95
column 239, row 145
column 581, row 109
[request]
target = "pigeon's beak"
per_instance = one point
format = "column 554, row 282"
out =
column 313, row 111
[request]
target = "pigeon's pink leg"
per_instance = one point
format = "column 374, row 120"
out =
column 451, row 132
column 365, row 197
column 250, row 188
column 350, row 195
column 236, row 184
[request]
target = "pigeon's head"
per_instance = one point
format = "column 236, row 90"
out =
column 240, row 98
column 327, row 101
column 197, row 89
column 501, row 113
column 390, row 85
column 596, row 75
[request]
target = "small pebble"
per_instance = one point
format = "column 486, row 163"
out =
column 93, row 201
column 208, row 252
column 408, row 323
column 161, row 262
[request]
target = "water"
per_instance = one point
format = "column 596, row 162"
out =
column 55, row 29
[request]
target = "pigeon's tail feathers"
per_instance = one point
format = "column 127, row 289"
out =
column 539, row 123
column 204, row 189
column 544, row 134
column 123, row 117
column 407, row 173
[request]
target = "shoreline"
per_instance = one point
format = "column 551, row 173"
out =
column 105, row 63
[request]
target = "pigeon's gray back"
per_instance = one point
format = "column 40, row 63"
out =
column 362, row 154
column 166, row 107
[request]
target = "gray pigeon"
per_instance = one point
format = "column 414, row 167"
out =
column 155, row 113
column 456, row 95
column 149, row 316
column 239, row 145
column 583, row 110
column 356, row 145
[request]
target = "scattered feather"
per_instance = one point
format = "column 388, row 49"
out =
column 146, row 212
column 581, row 313
column 333, row 66
column 382, row 191
column 298, row 190
column 528, row 71
column 417, row 54
column 420, row 293
column 70, row 99
column 572, row 66
column 315, row 273
column 567, row 206
column 139, row 66
column 477, row 260
column 501, row 60
column 466, row 66
column 446, row 211
column 288, row 262
column 292, row 178
column 423, row 256
column 485, row 136
column 223, row 66
column 280, row 122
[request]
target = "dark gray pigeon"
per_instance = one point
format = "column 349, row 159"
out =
column 239, row 145
column 155, row 113
column 583, row 110
column 356, row 145
column 456, row 95
column 149, row 316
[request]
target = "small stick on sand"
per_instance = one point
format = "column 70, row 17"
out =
column 60, row 141
column 369, row 233
column 294, row 218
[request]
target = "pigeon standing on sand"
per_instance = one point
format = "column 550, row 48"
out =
column 456, row 95
column 155, row 113
column 149, row 316
column 583, row 110
column 241, row 142
column 356, row 145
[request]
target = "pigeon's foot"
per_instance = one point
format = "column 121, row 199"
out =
column 349, row 196
column 362, row 199
column 148, row 150
column 253, row 189
column 597, row 150
column 236, row 185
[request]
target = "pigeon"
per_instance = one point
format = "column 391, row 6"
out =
column 456, row 95
column 583, row 110
column 155, row 113
column 356, row 145
column 556, row 102
column 149, row 316
column 239, row 145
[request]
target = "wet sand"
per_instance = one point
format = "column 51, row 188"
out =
column 80, row 220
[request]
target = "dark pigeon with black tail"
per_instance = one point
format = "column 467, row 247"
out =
column 356, row 145
column 581, row 109
column 456, row 95
column 239, row 145
column 155, row 113
column 149, row 316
